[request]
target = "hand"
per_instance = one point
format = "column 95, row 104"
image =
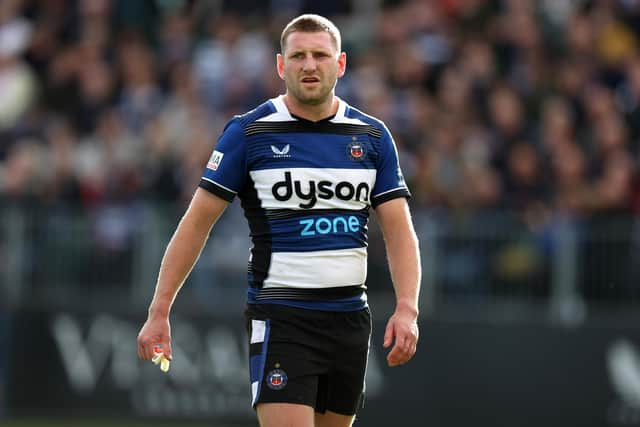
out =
column 402, row 331
column 156, row 332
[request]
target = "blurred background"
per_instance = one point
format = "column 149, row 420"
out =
column 518, row 128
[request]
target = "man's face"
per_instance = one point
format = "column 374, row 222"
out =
column 310, row 66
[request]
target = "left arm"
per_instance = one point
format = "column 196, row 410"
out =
column 403, row 254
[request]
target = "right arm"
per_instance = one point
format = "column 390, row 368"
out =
column 179, row 258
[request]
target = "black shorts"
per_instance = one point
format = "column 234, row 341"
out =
column 314, row 358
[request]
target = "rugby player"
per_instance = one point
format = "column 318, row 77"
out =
column 307, row 168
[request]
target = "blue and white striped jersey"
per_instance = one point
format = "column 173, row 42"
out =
column 306, row 188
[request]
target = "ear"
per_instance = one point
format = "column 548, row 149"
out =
column 280, row 65
column 342, row 64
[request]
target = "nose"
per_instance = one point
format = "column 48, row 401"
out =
column 309, row 63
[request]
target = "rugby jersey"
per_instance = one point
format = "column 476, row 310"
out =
column 306, row 189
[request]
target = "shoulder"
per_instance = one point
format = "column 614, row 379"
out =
column 355, row 115
column 240, row 122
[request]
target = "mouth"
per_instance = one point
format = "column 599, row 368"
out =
column 310, row 80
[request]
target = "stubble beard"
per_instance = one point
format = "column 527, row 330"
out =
column 311, row 98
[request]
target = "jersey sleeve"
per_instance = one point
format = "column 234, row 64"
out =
column 390, row 182
column 225, row 172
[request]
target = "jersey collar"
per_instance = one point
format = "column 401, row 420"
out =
column 283, row 112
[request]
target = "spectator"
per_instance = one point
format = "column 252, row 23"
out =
column 17, row 81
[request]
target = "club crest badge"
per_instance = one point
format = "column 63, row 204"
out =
column 356, row 151
column 276, row 379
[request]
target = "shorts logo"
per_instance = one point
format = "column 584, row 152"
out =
column 276, row 379
column 215, row 160
column 356, row 151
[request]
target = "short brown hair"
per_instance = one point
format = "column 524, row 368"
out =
column 311, row 23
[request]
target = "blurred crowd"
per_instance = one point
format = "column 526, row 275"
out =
column 528, row 106
column 523, row 108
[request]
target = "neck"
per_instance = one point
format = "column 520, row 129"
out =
column 312, row 112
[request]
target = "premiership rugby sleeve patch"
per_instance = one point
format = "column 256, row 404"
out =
column 226, row 179
column 215, row 160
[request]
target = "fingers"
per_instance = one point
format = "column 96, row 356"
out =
column 166, row 349
column 152, row 341
column 145, row 348
column 400, row 354
column 149, row 347
column 388, row 335
column 397, row 354
column 406, row 339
